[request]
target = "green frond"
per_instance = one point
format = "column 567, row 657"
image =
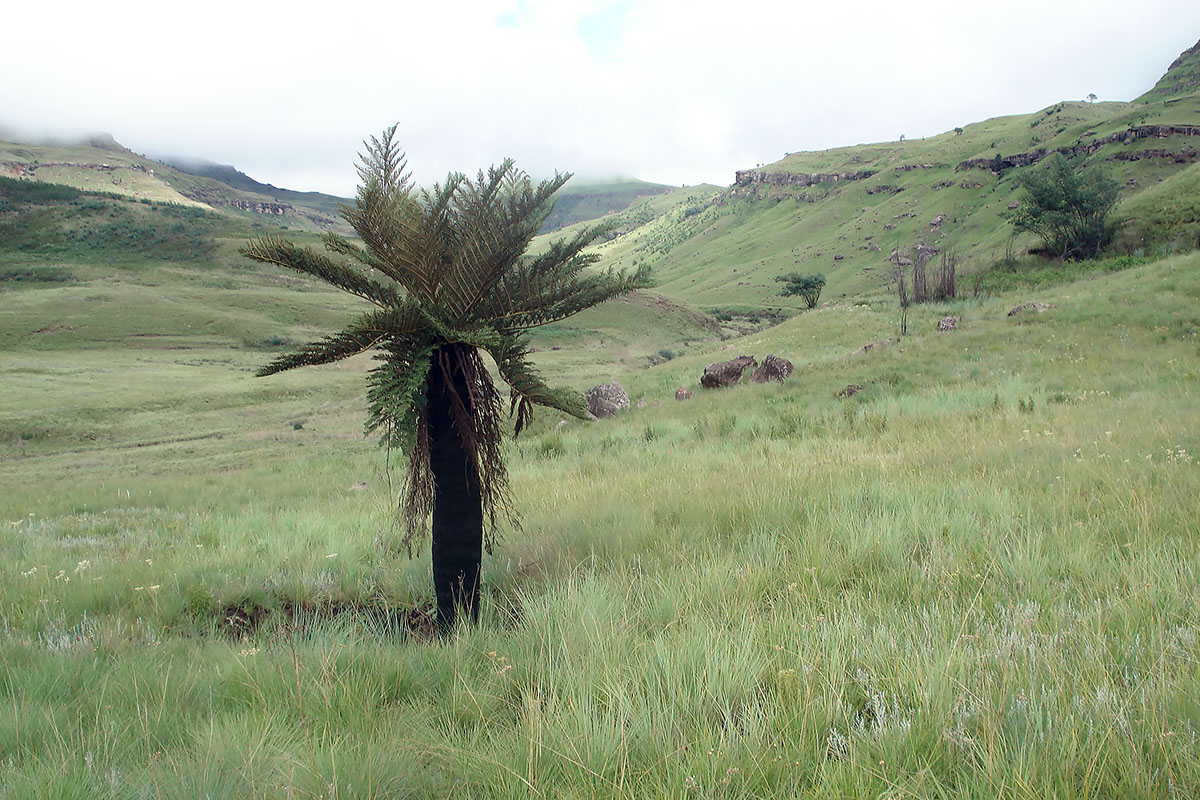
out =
column 480, row 245
column 368, row 331
column 384, row 162
column 482, row 337
column 336, row 243
column 534, row 282
column 273, row 250
column 511, row 357
column 396, row 391
column 499, row 214
column 438, row 238
column 540, row 201
column 389, row 221
column 566, row 292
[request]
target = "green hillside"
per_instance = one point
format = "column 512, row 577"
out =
column 87, row 269
column 842, row 212
column 1180, row 81
column 101, row 164
column 327, row 204
column 577, row 202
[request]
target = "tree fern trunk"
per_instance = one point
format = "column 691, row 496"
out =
column 457, row 505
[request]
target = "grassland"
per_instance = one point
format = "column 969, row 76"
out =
column 975, row 578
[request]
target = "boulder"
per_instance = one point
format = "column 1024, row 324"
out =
column 607, row 399
column 726, row 373
column 772, row 368
column 602, row 408
column 682, row 393
column 947, row 324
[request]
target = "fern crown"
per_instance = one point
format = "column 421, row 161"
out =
column 447, row 265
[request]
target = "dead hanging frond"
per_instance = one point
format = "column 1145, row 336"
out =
column 416, row 501
column 521, row 410
column 477, row 418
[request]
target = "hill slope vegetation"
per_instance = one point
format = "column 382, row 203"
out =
column 844, row 212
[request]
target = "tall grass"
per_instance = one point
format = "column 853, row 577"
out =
column 976, row 578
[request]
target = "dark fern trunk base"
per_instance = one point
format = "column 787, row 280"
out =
column 457, row 503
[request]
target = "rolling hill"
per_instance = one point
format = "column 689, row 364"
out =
column 578, row 202
column 101, row 164
column 843, row 212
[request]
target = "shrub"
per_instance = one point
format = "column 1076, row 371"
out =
column 807, row 287
column 1067, row 208
column 37, row 274
column 36, row 192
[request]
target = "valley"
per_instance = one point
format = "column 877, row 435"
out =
column 975, row 575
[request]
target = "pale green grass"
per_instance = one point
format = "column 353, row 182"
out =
column 130, row 182
column 977, row 578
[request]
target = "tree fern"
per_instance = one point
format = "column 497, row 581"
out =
column 448, row 272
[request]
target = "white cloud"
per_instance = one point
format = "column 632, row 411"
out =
column 663, row 89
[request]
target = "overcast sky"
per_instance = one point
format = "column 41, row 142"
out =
column 676, row 91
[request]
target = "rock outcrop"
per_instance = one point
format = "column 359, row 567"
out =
column 726, row 373
column 29, row 169
column 772, row 368
column 947, row 324
column 1001, row 164
column 259, row 208
column 747, row 177
column 607, row 399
